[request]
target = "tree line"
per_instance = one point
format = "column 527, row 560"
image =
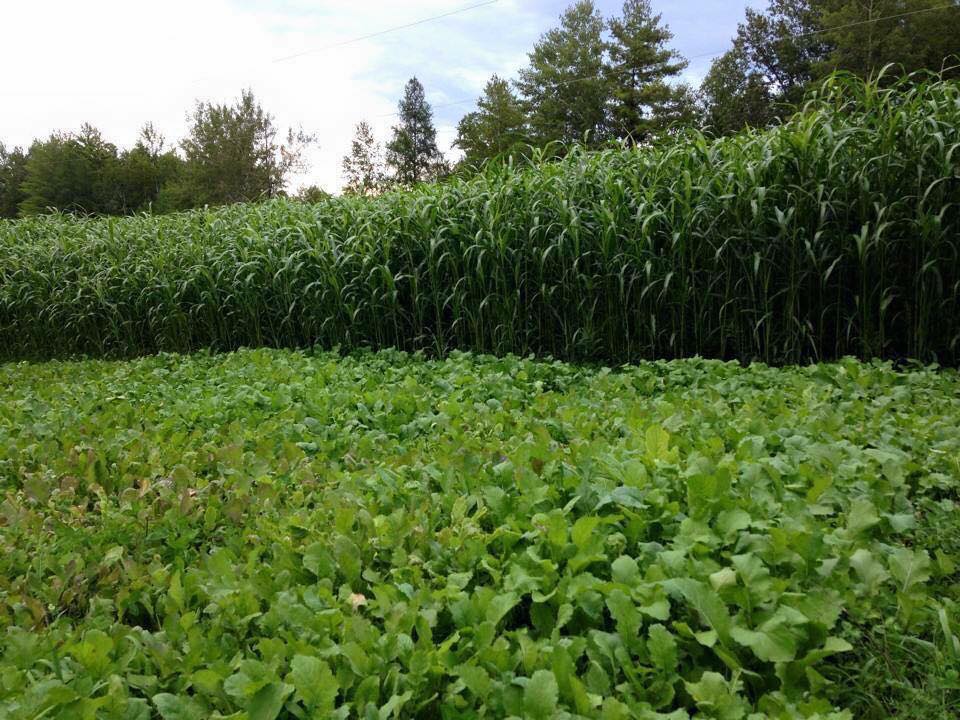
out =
column 595, row 80
column 232, row 153
column 590, row 80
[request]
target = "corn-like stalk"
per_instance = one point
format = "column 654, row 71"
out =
column 836, row 233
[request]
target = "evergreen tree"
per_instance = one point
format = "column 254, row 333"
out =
column 412, row 153
column 13, row 171
column 565, row 88
column 639, row 67
column 497, row 126
column 363, row 167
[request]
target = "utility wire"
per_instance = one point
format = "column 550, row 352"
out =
column 720, row 52
column 386, row 31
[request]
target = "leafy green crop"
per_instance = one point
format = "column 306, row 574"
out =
column 835, row 234
column 275, row 534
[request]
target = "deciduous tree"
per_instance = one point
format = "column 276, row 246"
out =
column 363, row 168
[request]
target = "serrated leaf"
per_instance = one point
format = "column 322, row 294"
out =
column 713, row 694
column 662, row 647
column 540, row 695
column 909, row 567
column 315, row 684
column 476, row 679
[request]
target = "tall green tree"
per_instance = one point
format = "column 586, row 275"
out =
column 780, row 52
column 71, row 173
column 496, row 127
column 909, row 34
column 13, row 171
column 641, row 63
column 565, row 88
column 412, row 153
column 734, row 95
column 784, row 45
column 363, row 168
column 140, row 175
column 233, row 153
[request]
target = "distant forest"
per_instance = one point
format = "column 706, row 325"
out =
column 591, row 80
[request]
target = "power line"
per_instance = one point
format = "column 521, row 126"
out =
column 386, row 31
column 720, row 52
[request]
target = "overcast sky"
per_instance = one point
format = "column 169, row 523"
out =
column 119, row 63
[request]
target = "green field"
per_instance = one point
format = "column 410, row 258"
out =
column 274, row 534
column 834, row 234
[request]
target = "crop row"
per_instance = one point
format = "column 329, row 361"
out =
column 836, row 233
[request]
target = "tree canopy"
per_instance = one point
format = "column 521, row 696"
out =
column 412, row 153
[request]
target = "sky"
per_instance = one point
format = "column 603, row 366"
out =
column 117, row 64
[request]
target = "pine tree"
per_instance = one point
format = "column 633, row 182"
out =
column 413, row 154
column 497, row 126
column 565, row 88
column 640, row 65
column 363, row 168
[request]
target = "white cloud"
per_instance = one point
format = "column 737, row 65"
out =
column 120, row 63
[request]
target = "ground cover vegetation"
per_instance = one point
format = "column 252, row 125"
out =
column 835, row 233
column 275, row 534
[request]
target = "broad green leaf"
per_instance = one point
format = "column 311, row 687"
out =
column 715, row 696
column 774, row 643
column 625, row 613
column 540, row 695
column 267, row 702
column 625, row 570
column 909, row 567
column 657, row 443
column 662, row 647
column 176, row 707
column 870, row 571
column 315, row 684
column 500, row 605
column 317, row 559
column 476, row 679
column 708, row 606
column 861, row 516
column 583, row 529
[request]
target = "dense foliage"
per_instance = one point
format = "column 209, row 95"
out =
column 781, row 51
column 837, row 233
column 231, row 154
column 276, row 534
